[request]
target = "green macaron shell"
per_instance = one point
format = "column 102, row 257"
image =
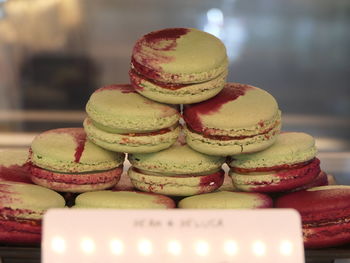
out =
column 289, row 148
column 127, row 111
column 176, row 160
column 31, row 201
column 197, row 56
column 229, row 147
column 13, row 157
column 119, row 200
column 225, row 200
column 56, row 150
column 130, row 144
column 252, row 113
column 167, row 185
column 188, row 94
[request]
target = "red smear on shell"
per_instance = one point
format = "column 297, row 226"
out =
column 320, row 180
column 169, row 34
column 15, row 173
column 79, row 136
column 210, row 182
column 148, row 62
column 20, row 232
column 123, row 88
column 193, row 112
column 80, row 139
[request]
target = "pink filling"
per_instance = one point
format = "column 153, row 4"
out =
column 78, row 178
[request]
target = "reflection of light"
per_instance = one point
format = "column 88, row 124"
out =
column 58, row 244
column 259, row 248
column 286, row 247
column 230, row 247
column 87, row 245
column 174, row 247
column 202, row 248
column 145, row 247
column 215, row 16
column 116, row 246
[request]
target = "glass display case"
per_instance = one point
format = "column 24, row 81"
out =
column 55, row 53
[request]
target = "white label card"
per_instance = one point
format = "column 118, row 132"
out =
column 177, row 235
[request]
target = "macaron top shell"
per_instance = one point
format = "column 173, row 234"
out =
column 238, row 108
column 289, row 148
column 318, row 203
column 28, row 201
column 68, row 150
column 226, row 200
column 120, row 109
column 13, row 157
column 179, row 55
column 123, row 200
column 178, row 159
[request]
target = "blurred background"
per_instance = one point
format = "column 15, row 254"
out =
column 55, row 53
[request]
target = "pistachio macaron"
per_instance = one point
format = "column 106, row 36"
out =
column 240, row 119
column 178, row 65
column 65, row 160
column 290, row 163
column 119, row 119
column 176, row 171
column 22, row 207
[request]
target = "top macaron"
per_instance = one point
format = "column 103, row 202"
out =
column 240, row 119
column 178, row 65
column 121, row 120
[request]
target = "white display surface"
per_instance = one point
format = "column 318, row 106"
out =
column 177, row 235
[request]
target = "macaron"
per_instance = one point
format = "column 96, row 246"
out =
column 240, row 119
column 65, row 160
column 178, row 65
column 21, row 210
column 121, row 120
column 288, row 164
column 13, row 165
column 176, row 171
column 325, row 214
column 226, row 200
column 123, row 200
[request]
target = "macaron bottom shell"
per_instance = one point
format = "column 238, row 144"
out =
column 143, row 143
column 328, row 234
column 179, row 185
column 181, row 94
column 76, row 183
column 226, row 200
column 25, row 232
column 230, row 147
column 277, row 181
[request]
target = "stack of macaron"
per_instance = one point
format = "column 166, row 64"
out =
column 179, row 123
column 178, row 65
